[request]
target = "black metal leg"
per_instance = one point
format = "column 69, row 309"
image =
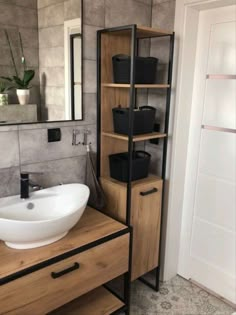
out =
column 155, row 286
column 127, row 287
column 157, row 279
column 127, row 292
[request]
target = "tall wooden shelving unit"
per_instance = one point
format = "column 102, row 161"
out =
column 137, row 203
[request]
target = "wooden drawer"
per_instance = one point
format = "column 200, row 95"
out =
column 146, row 220
column 39, row 293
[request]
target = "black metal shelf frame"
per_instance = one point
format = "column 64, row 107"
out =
column 135, row 42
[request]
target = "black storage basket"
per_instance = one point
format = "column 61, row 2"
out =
column 145, row 71
column 144, row 120
column 119, row 165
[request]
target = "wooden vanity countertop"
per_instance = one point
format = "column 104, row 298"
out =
column 92, row 226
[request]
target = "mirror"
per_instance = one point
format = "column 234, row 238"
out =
column 41, row 61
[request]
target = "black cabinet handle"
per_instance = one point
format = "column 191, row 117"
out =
column 55, row 275
column 149, row 192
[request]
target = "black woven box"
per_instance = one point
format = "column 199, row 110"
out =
column 145, row 69
column 144, row 120
column 119, row 165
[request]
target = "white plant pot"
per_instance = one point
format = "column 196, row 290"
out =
column 3, row 99
column 23, row 96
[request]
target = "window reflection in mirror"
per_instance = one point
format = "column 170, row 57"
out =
column 76, row 76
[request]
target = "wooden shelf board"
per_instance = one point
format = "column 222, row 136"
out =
column 143, row 137
column 144, row 31
column 148, row 180
column 137, row 86
column 98, row 301
column 91, row 227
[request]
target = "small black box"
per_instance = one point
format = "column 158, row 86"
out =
column 119, row 165
column 145, row 69
column 144, row 120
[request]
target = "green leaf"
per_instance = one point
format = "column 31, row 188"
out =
column 7, row 79
column 5, row 86
column 9, row 88
column 18, row 80
column 19, row 83
column 28, row 76
column 2, row 87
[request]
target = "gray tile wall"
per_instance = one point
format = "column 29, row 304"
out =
column 26, row 147
column 163, row 14
column 13, row 17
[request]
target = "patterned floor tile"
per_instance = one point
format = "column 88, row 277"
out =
column 175, row 297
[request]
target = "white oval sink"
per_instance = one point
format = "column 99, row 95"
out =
column 44, row 218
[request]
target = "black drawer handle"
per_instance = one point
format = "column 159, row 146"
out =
column 55, row 275
column 149, row 192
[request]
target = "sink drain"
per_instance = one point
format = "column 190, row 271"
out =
column 30, row 206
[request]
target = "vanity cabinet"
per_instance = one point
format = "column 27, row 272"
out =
column 41, row 280
column 145, row 218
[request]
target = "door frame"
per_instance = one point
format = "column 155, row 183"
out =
column 186, row 29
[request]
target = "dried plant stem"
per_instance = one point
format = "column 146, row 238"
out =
column 12, row 56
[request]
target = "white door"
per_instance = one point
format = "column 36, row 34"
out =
column 208, row 235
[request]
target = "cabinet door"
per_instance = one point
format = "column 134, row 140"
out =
column 146, row 219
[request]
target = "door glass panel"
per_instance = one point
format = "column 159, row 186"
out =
column 222, row 50
column 220, row 107
column 219, row 246
column 217, row 154
column 215, row 201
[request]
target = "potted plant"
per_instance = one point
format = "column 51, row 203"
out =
column 20, row 82
column 22, row 86
column 4, row 88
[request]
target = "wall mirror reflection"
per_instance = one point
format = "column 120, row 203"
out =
column 41, row 61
